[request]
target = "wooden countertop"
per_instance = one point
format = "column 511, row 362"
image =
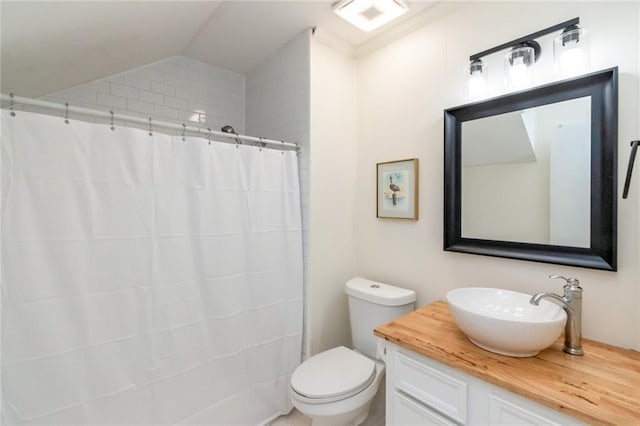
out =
column 601, row 387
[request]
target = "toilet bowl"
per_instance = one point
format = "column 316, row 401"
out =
column 336, row 387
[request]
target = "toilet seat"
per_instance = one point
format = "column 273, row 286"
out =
column 333, row 375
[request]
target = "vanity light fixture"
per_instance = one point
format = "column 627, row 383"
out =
column 518, row 63
column 478, row 86
column 370, row 14
column 570, row 52
column 570, row 57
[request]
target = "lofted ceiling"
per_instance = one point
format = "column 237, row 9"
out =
column 47, row 46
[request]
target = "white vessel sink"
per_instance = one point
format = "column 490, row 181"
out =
column 504, row 321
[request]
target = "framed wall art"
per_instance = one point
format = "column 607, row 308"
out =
column 397, row 189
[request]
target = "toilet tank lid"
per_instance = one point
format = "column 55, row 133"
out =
column 379, row 293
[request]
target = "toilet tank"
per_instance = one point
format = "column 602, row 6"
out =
column 372, row 304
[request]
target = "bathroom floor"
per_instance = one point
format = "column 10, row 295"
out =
column 294, row 418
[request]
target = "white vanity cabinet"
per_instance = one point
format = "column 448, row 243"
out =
column 421, row 391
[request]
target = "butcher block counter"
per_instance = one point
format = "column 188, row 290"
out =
column 601, row 387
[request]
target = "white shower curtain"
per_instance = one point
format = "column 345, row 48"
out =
column 146, row 279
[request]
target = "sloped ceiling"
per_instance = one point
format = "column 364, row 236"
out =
column 48, row 46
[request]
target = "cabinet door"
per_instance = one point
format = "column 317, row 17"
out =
column 502, row 412
column 407, row 412
column 433, row 387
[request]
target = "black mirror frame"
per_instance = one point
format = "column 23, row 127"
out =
column 602, row 86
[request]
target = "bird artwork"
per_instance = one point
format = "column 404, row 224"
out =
column 394, row 188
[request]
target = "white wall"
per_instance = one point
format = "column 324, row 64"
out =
column 176, row 89
column 277, row 106
column 636, row 193
column 404, row 87
column 333, row 135
column 305, row 92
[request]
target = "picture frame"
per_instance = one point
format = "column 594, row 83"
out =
column 397, row 189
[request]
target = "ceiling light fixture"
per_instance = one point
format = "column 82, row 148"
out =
column 370, row 14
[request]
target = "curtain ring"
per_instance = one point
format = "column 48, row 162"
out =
column 282, row 152
column 184, row 127
column 112, row 126
column 209, row 135
column 66, row 113
column 261, row 143
column 150, row 128
column 11, row 105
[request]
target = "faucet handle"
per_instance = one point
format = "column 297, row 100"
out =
column 573, row 283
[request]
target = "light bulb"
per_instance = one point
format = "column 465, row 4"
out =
column 477, row 86
column 518, row 73
column 571, row 52
column 518, row 63
column 572, row 62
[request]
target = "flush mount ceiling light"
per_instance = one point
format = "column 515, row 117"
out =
column 370, row 14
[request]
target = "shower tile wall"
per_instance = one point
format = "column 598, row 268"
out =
column 278, row 106
column 178, row 89
column 276, row 93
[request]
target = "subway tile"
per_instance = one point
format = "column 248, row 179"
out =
column 187, row 116
column 76, row 96
column 150, row 74
column 175, row 102
column 166, row 112
column 154, row 98
column 123, row 91
column 199, row 107
column 100, row 86
column 119, row 79
column 140, row 106
column 165, row 89
column 184, row 93
column 134, row 80
column 175, row 81
column 104, row 99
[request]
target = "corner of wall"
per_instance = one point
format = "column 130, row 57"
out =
column 332, row 146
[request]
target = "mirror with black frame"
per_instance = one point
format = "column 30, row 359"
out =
column 532, row 175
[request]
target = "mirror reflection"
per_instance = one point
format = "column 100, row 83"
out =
column 526, row 175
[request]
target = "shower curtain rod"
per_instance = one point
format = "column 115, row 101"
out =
column 205, row 132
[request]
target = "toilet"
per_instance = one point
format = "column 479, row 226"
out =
column 337, row 386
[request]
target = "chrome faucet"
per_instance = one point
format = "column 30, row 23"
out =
column 571, row 302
